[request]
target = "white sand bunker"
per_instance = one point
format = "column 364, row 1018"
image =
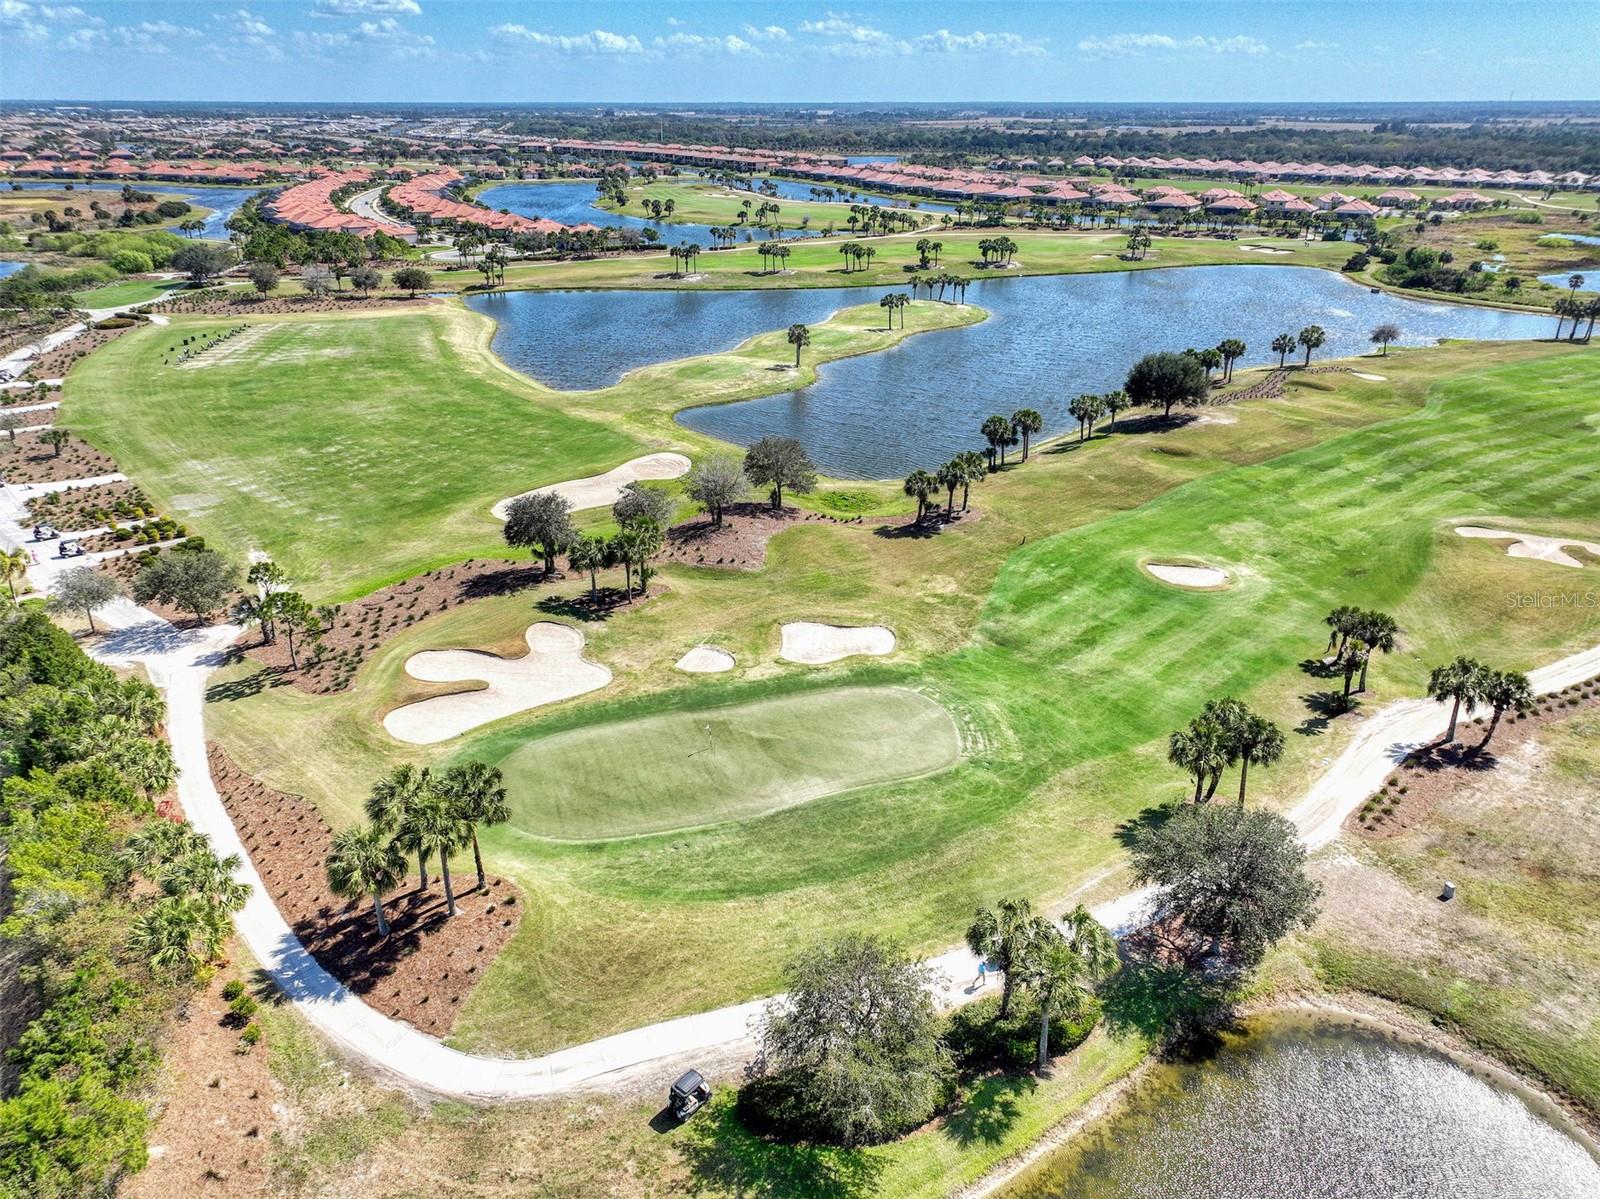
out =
column 703, row 659
column 1371, row 378
column 553, row 669
column 1531, row 545
column 1194, row 577
column 597, row 491
column 1266, row 250
column 815, row 644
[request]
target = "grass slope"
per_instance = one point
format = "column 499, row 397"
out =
column 1065, row 679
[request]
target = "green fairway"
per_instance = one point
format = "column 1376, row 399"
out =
column 1062, row 663
column 354, row 451
column 131, row 291
column 682, row 769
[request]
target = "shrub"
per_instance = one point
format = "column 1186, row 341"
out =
column 242, row 1008
column 233, row 990
column 249, row 1038
column 979, row 1041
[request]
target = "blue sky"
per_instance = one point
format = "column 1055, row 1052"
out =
column 538, row 50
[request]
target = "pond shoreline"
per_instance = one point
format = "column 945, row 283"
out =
column 1359, row 1009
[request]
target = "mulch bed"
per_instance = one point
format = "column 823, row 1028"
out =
column 56, row 363
column 30, row 460
column 1433, row 772
column 39, row 416
column 239, row 301
column 427, row 965
column 82, row 507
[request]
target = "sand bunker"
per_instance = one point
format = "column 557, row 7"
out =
column 815, row 644
column 1531, row 545
column 1371, row 378
column 1266, row 250
column 597, row 491
column 1193, row 577
column 553, row 669
column 703, row 659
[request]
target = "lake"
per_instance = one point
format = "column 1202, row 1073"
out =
column 1047, row 339
column 576, row 204
column 1308, row 1108
column 8, row 267
column 223, row 201
column 798, row 189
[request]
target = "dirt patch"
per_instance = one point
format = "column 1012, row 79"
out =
column 427, row 965
column 217, row 1107
column 1435, row 772
column 30, row 459
column 32, row 420
column 741, row 542
column 57, row 362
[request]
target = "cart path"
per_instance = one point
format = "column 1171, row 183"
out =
column 179, row 662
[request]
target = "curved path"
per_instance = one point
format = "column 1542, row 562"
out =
column 179, row 662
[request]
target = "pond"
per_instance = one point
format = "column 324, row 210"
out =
column 798, row 189
column 223, row 201
column 1562, row 279
column 8, row 267
column 1308, row 1107
column 576, row 204
column 1586, row 239
column 1049, row 338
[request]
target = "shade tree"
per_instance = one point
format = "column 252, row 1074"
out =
column 1165, row 380
column 541, row 522
column 83, row 590
column 717, row 483
column 780, row 463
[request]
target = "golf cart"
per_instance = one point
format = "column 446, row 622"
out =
column 688, row 1095
column 70, row 549
column 44, row 533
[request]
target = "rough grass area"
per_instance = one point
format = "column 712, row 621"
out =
column 682, row 769
column 1513, row 962
column 1064, row 667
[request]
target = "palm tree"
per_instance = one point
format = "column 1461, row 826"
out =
column 179, row 934
column 1202, row 750
column 1460, row 682
column 1353, row 657
column 1084, row 409
column 392, row 806
column 1377, row 630
column 1116, row 401
column 204, row 875
column 887, row 303
column 1057, row 963
column 477, row 792
column 1382, row 335
column 589, row 554
column 1310, row 338
column 436, row 827
column 365, row 861
column 973, row 470
column 1027, row 422
column 949, row 476
column 997, row 432
column 1341, row 622
column 1000, row 936
column 1257, row 742
column 798, row 336
column 13, row 566
column 919, row 486
column 1231, row 350
column 1283, row 346
column 1503, row 691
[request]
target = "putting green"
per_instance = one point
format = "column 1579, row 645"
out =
column 681, row 770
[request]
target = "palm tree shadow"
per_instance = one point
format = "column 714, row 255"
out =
column 919, row 530
column 584, row 607
column 1319, row 668
column 1325, row 708
column 991, row 1110
column 724, row 1158
column 1151, row 818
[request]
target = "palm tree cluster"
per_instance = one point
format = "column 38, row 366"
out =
column 414, row 811
column 965, row 469
column 997, row 251
column 855, row 254
column 942, row 280
column 928, row 252
column 686, row 252
column 1058, row 962
column 493, row 265
column 186, row 926
column 1354, row 634
column 1570, row 307
column 894, row 302
column 1224, row 734
column 1468, row 683
column 773, row 255
column 876, row 219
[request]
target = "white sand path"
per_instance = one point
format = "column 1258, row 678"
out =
column 598, row 491
column 705, row 659
column 816, row 644
column 1532, row 545
column 179, row 662
column 1196, row 578
column 553, row 669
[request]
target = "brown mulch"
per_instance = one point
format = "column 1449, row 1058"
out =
column 56, row 363
column 429, row 963
column 39, row 416
column 213, row 1133
column 239, row 301
column 20, row 332
column 1432, row 773
column 76, row 507
column 30, row 460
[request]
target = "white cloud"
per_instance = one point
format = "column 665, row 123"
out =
column 942, row 41
column 1133, row 45
column 32, row 23
column 246, row 33
column 153, row 37
column 365, row 8
column 675, row 23
column 1316, row 45
column 594, row 43
column 694, row 43
column 843, row 29
column 385, row 36
column 766, row 33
